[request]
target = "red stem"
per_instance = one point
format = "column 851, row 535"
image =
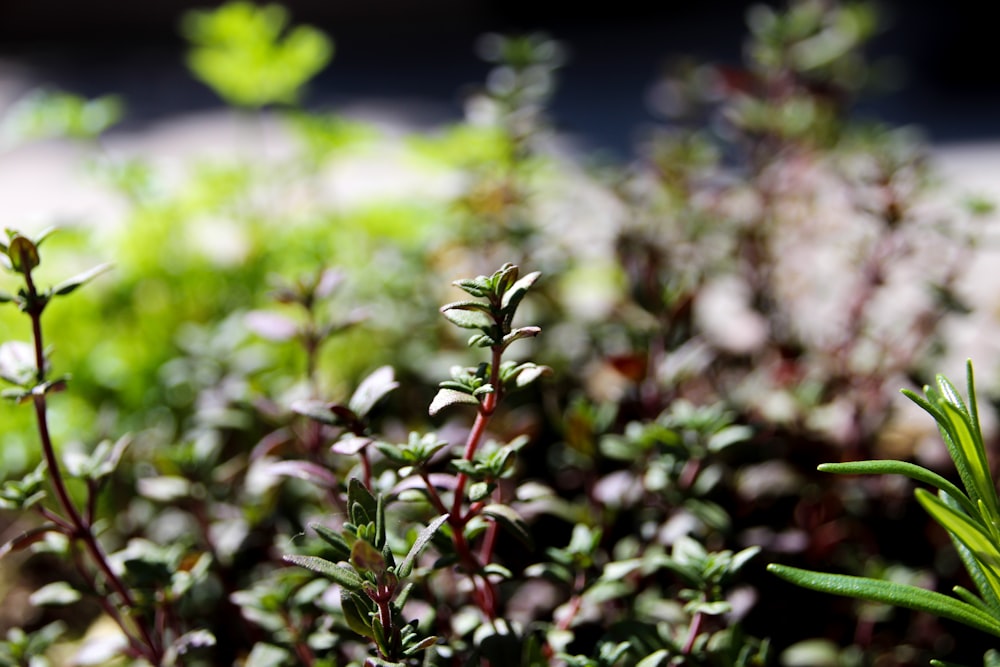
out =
column 81, row 528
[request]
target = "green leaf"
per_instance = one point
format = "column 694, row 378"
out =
column 70, row 285
column 478, row 287
column 974, row 456
column 968, row 532
column 518, row 334
column 318, row 410
column 655, row 659
column 17, row 363
column 911, row 470
column 464, row 315
column 423, row 538
column 480, row 491
column 887, row 592
column 378, row 635
column 366, row 558
column 448, row 397
column 267, row 655
column 511, row 521
column 346, row 577
column 23, row 254
column 372, row 390
column 358, row 493
column 58, row 593
column 513, row 295
column 357, row 621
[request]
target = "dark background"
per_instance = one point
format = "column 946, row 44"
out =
column 420, row 55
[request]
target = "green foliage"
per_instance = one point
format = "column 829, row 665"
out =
column 970, row 517
column 305, row 482
column 45, row 114
column 243, row 52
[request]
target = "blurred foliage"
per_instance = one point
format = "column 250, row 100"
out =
column 718, row 315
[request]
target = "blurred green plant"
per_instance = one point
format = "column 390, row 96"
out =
column 247, row 54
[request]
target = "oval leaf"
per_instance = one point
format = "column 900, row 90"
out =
column 449, row 397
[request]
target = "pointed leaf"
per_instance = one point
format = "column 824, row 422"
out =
column 71, row 284
column 970, row 444
column 911, row 470
column 346, row 577
column 512, row 297
column 511, row 521
column 357, row 621
column 518, row 334
column 478, row 287
column 891, row 593
column 304, row 470
column 357, row 492
column 336, row 542
column 27, row 538
column 655, row 659
column 423, row 538
column 321, row 411
column 968, row 533
column 271, row 326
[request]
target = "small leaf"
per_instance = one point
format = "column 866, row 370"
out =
column 346, row 577
column 26, row 539
column 304, row 470
column 372, row 390
column 422, row 645
column 58, row 593
column 271, row 326
column 358, row 493
column 366, row 558
column 350, row 444
column 423, row 538
column 357, row 621
column 655, row 659
column 478, row 287
column 23, row 254
column 512, row 297
column 323, row 412
column 336, row 542
column 267, row 655
column 70, row 285
column 518, row 334
column 466, row 318
column 480, row 491
column 193, row 640
column 17, row 363
column 449, row 397
column 164, row 488
column 511, row 521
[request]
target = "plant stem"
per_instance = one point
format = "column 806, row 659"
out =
column 693, row 633
column 81, row 527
